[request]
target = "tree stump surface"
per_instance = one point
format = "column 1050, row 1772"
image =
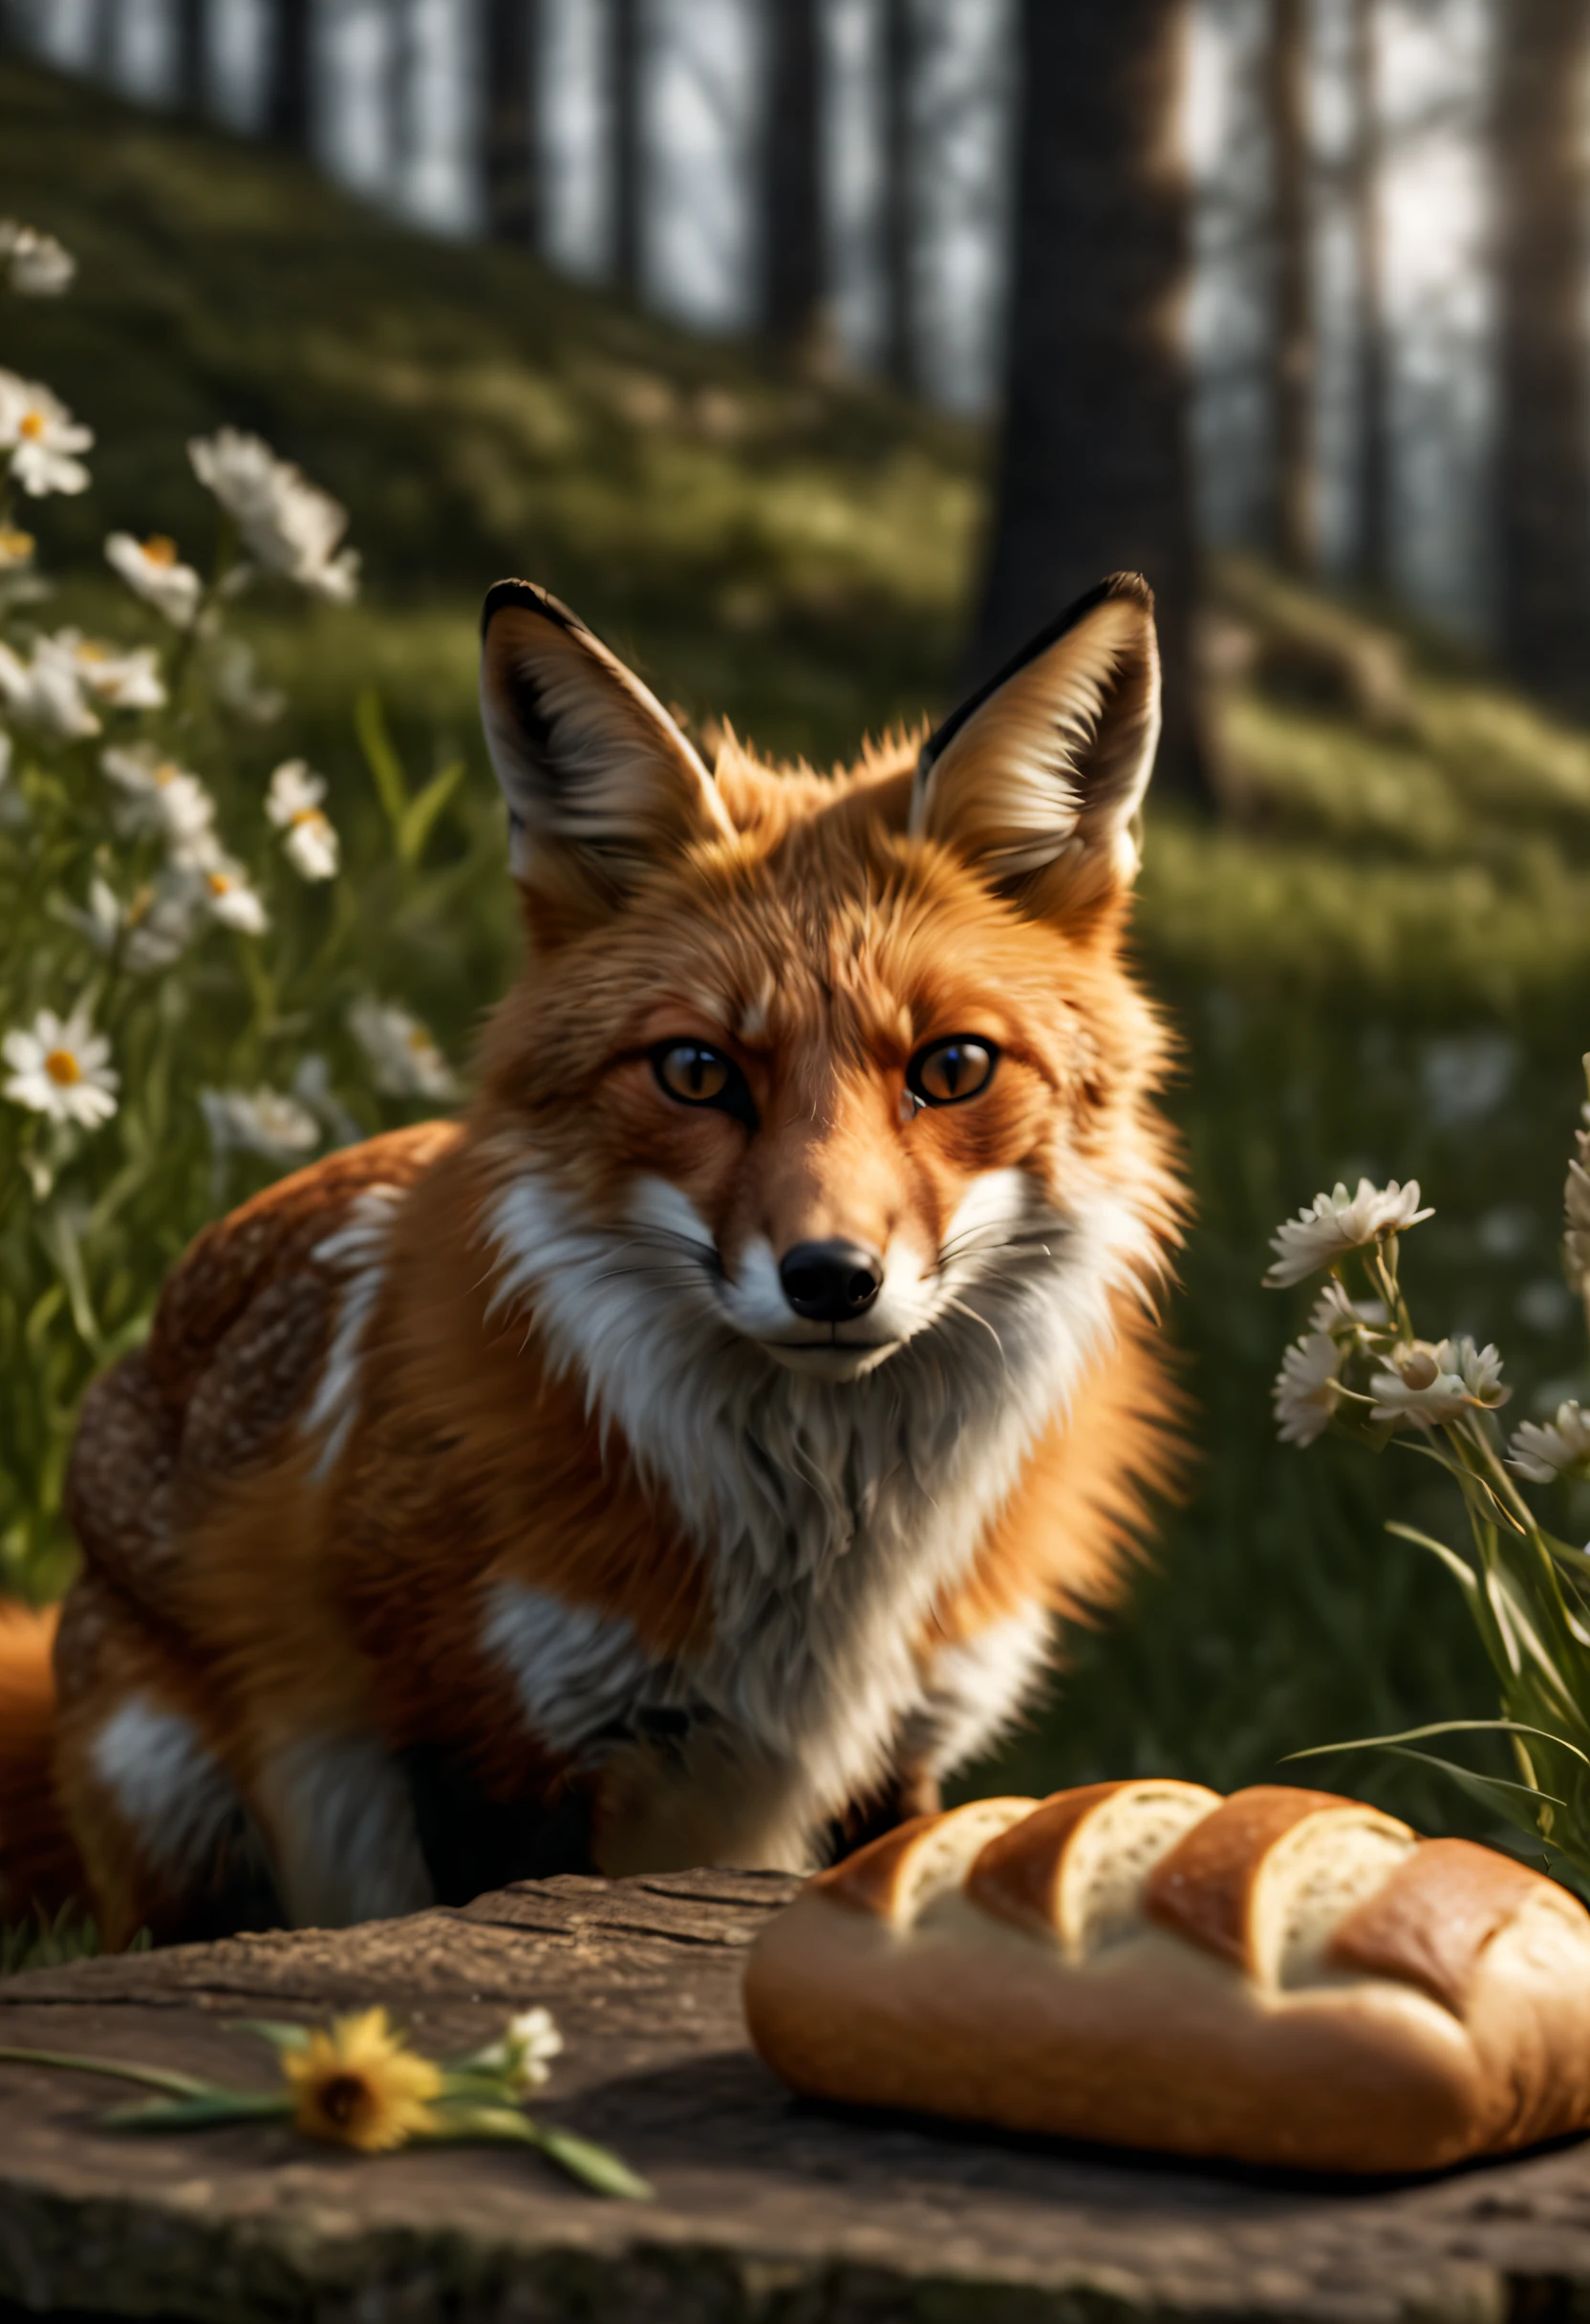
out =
column 765, row 2208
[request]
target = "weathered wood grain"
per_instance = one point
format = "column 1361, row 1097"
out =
column 766, row 2210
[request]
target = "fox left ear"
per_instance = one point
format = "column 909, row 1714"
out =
column 1038, row 780
column 600, row 783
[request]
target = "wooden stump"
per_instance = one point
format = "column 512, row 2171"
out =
column 765, row 2208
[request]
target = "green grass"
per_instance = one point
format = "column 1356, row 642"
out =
column 1395, row 906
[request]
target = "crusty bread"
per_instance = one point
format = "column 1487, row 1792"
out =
column 1280, row 1977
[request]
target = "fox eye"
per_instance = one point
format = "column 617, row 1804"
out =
column 946, row 1072
column 699, row 1075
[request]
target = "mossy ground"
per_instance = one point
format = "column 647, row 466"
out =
column 1378, row 959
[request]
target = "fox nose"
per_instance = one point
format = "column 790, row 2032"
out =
column 831, row 1283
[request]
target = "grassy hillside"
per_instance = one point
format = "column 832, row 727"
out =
column 1379, row 960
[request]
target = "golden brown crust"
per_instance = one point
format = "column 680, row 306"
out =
column 1011, row 1999
column 895, row 1876
column 1204, row 1888
column 1432, row 1922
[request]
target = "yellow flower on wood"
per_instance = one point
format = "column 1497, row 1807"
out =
column 357, row 2085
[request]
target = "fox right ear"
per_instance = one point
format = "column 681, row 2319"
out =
column 1037, row 780
column 600, row 783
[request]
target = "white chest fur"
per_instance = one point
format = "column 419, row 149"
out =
column 832, row 1516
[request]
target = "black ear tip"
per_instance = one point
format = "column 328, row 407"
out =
column 531, row 598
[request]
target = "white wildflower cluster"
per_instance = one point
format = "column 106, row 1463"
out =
column 522, row 2054
column 1361, row 1358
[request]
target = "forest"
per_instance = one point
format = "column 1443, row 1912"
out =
column 818, row 351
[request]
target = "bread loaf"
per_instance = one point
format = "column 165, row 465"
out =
column 1280, row 1977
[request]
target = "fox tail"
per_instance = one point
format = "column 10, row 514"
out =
column 39, row 1866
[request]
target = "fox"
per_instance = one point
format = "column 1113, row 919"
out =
column 688, row 1456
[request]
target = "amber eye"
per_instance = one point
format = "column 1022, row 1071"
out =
column 697, row 1075
column 946, row 1072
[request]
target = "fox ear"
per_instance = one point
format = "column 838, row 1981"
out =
column 1037, row 780
column 601, row 784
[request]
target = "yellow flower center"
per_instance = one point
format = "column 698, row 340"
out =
column 306, row 814
column 63, row 1068
column 420, row 1040
column 220, row 883
column 166, row 773
column 31, row 425
column 87, row 651
column 158, row 549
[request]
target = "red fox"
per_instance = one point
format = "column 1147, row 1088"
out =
column 682, row 1458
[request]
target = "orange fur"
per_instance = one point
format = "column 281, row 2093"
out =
column 486, row 1502
column 41, row 1870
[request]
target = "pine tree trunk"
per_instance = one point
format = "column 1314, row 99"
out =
column 1543, row 441
column 1095, row 461
column 792, row 177
column 190, row 64
column 510, row 55
column 625, row 144
column 898, row 70
column 1374, row 367
column 290, row 96
column 1293, row 527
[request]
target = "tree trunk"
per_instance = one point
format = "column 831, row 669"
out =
column 626, row 35
column 510, row 55
column 190, row 64
column 1543, row 443
column 792, row 177
column 898, row 70
column 1293, row 525
column 1374, row 367
column 1095, row 471
column 289, row 95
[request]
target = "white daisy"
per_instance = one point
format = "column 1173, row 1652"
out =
column 60, row 1068
column 1429, row 1385
column 287, row 524
column 148, row 932
column 524, row 2050
column 1546, row 1451
column 1335, row 1312
column 263, row 1121
column 407, row 1062
column 45, row 692
column 36, row 265
column 153, row 571
column 1307, row 1389
column 42, row 437
column 127, row 682
column 165, row 799
column 222, row 889
column 292, row 803
column 1339, row 1222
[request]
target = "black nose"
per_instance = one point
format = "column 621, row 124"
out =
column 831, row 1283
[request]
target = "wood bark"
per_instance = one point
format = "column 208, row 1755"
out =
column 792, row 176
column 190, row 58
column 1094, row 465
column 897, row 87
column 289, row 90
column 510, row 56
column 1373, row 462
column 1293, row 523
column 1544, row 439
column 626, row 41
column 764, row 2209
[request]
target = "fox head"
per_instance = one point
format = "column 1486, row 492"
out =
column 838, row 1070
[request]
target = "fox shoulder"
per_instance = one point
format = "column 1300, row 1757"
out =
column 240, row 1340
